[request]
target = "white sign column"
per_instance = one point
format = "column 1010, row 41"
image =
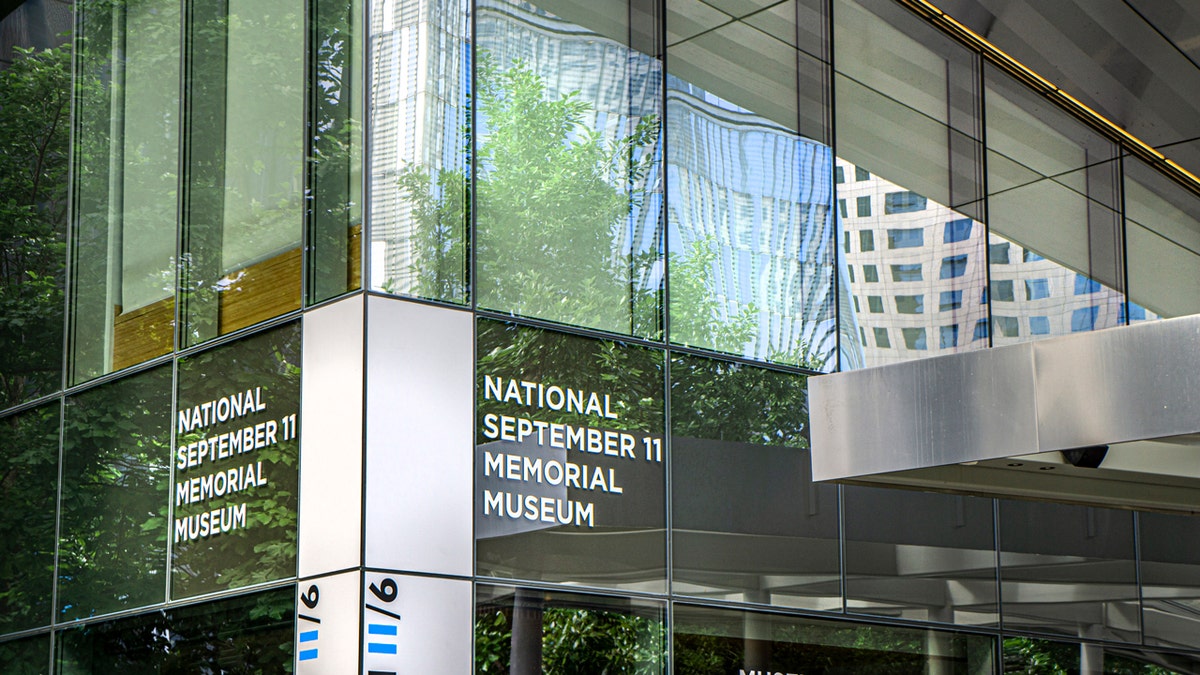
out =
column 330, row 520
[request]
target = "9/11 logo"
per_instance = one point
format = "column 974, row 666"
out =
column 382, row 625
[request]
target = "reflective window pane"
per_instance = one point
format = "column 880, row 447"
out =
column 245, row 147
column 35, row 95
column 708, row 640
column 520, row 630
column 1069, row 570
column 742, row 431
column 27, row 656
column 123, row 250
column 336, row 151
column 1170, row 566
column 233, row 491
column 1162, row 221
column 419, row 149
column 748, row 186
column 1054, row 192
column 1145, row 662
column 931, row 252
column 569, row 477
column 906, row 107
column 567, row 182
column 29, row 466
column 920, row 556
column 247, row 634
column 112, row 549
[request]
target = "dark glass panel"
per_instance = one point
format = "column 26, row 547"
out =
column 749, row 192
column 568, row 177
column 249, row 634
column 419, row 164
column 112, row 547
column 1170, row 566
column 127, row 177
column 920, row 556
column 336, row 150
column 35, row 129
column 235, row 480
column 28, row 481
column 733, row 642
column 749, row 524
column 1069, row 570
column 519, row 630
column 26, row 656
column 569, row 459
column 244, row 112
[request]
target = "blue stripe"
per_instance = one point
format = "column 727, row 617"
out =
column 308, row 654
column 377, row 648
column 308, row 636
column 381, row 629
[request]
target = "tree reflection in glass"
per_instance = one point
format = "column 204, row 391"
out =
column 528, row 631
column 34, row 134
column 116, row 473
column 28, row 478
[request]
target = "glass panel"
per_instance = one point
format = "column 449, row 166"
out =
column 1170, row 555
column 727, row 641
column 112, row 547
column 568, row 184
column 29, row 465
column 907, row 106
column 1131, row 662
column 1162, row 221
column 932, row 254
column 421, row 76
column 245, row 148
column 35, row 95
column 748, row 188
column 123, row 271
column 519, row 630
column 742, row 431
column 1054, row 190
column 920, row 556
column 27, row 656
column 569, row 475
column 248, row 634
column 234, row 484
column 1068, row 569
column 908, row 129
column 336, row 153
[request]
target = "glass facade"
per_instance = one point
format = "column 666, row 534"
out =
column 450, row 335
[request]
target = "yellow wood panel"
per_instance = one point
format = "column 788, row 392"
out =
column 354, row 258
column 144, row 333
column 261, row 291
